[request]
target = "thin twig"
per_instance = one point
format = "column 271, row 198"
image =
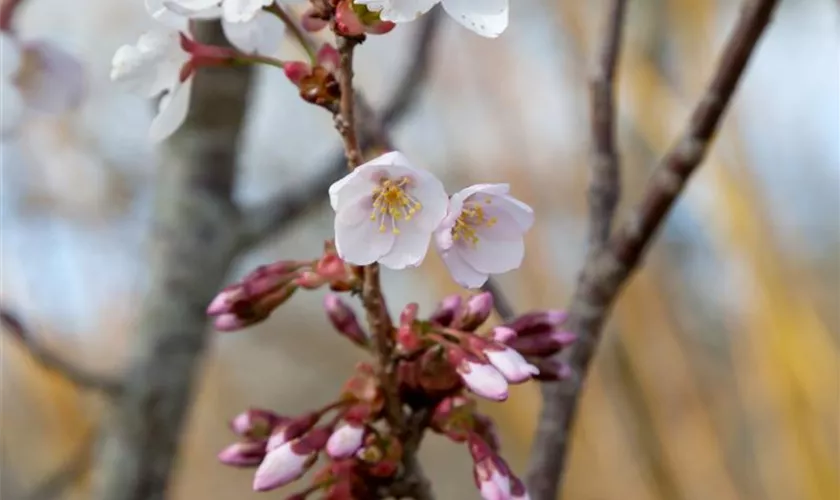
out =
column 500, row 302
column 345, row 120
column 279, row 212
column 54, row 362
column 306, row 42
column 604, row 276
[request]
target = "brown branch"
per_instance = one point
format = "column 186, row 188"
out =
column 604, row 276
column 56, row 484
column 196, row 241
column 500, row 301
column 280, row 211
column 605, row 185
column 54, row 362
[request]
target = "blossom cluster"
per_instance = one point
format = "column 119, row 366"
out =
column 388, row 210
column 442, row 362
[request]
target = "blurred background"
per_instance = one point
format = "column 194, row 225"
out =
column 719, row 375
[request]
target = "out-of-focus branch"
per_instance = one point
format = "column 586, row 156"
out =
column 276, row 214
column 7, row 12
column 500, row 301
column 605, row 274
column 53, row 361
column 57, row 483
column 195, row 242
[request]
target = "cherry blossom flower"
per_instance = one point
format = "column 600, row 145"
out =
column 153, row 66
column 36, row 76
column 483, row 233
column 386, row 211
column 488, row 18
column 245, row 23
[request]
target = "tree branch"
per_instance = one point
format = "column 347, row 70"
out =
column 195, row 244
column 57, row 483
column 276, row 214
column 54, row 362
column 605, row 274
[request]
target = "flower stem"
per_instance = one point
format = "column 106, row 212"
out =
column 305, row 42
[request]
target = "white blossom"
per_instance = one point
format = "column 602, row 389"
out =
column 510, row 364
column 483, row 233
column 245, row 24
column 488, row 18
column 386, row 211
column 36, row 76
column 483, row 379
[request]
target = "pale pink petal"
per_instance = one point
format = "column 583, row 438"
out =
column 190, row 8
column 511, row 365
column 172, row 111
column 409, row 249
column 345, row 441
column 261, row 35
column 241, row 11
column 435, row 202
column 399, row 11
column 280, row 466
column 484, row 380
column 521, row 213
column 496, row 487
column 54, row 81
column 488, row 18
column 362, row 244
column 11, row 108
column 169, row 14
column 494, row 256
column 151, row 66
column 349, row 189
column 462, row 272
column 10, row 56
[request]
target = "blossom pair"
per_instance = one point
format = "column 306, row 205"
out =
column 387, row 212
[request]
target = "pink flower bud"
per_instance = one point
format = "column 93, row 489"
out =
column 244, row 454
column 518, row 490
column 503, row 334
column 311, row 22
column 344, row 319
column 310, row 280
column 542, row 344
column 331, row 266
column 296, row 71
column 538, row 322
column 345, row 441
column 492, row 479
column 552, row 370
column 447, row 310
column 347, row 22
column 292, row 429
column 481, row 378
column 255, row 423
column 476, row 311
column 486, row 429
column 231, row 323
column 510, row 364
column 289, row 462
column 329, row 59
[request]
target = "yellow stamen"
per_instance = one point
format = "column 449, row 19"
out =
column 391, row 201
column 472, row 217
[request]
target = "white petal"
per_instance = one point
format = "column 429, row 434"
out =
column 522, row 213
column 149, row 67
column 56, row 81
column 362, row 244
column 171, row 18
column 484, row 380
column 463, row 273
column 488, row 18
column 345, row 440
column 172, row 111
column 512, row 365
column 399, row 11
column 493, row 256
column 349, row 190
column 410, row 247
column 11, row 107
column 10, row 55
column 240, row 11
column 261, row 35
column 280, row 466
column 435, row 202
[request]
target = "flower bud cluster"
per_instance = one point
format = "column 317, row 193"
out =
column 257, row 295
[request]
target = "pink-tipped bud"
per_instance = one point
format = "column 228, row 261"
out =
column 542, row 344
column 481, row 378
column 255, row 423
column 552, row 370
column 244, row 454
column 290, row 461
column 310, row 280
column 291, row 429
column 407, row 337
column 329, row 58
column 331, row 267
column 492, row 478
column 510, row 363
column 537, row 322
column 296, row 71
column 476, row 311
column 447, row 310
column 344, row 319
column 231, row 323
column 346, row 20
column 485, row 428
column 345, row 440
column 502, row 334
column 311, row 21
